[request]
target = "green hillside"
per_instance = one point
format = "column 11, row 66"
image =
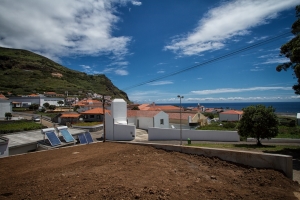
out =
column 24, row 72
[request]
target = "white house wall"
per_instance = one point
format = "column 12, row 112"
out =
column 205, row 135
column 131, row 120
column 5, row 106
column 124, row 132
column 109, row 126
column 228, row 117
column 119, row 110
column 145, row 122
column 158, row 117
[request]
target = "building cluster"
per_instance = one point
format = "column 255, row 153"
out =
column 91, row 110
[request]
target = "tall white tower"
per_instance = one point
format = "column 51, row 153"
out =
column 119, row 110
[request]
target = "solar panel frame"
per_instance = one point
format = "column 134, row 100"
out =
column 88, row 137
column 82, row 138
column 67, row 135
column 53, row 139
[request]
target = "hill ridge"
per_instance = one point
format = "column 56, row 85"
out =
column 25, row 72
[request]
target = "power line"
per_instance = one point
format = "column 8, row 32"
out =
column 211, row 61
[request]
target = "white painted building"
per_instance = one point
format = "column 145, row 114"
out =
column 230, row 115
column 5, row 106
column 145, row 119
column 40, row 100
column 116, row 126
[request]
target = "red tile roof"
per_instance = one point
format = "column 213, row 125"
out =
column 2, row 96
column 94, row 111
column 184, row 116
column 233, row 112
column 70, row 115
column 158, row 108
column 141, row 113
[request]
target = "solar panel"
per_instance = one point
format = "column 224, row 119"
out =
column 53, row 139
column 88, row 137
column 82, row 138
column 67, row 136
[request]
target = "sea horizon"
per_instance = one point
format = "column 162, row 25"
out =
column 280, row 107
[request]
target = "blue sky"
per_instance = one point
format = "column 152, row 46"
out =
column 140, row 44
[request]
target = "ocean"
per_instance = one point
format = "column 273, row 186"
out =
column 280, row 107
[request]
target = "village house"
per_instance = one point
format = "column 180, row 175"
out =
column 67, row 117
column 93, row 115
column 26, row 101
column 144, row 119
column 230, row 115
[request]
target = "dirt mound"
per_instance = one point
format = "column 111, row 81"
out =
column 127, row 171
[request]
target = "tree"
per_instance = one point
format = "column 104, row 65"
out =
column 52, row 107
column 34, row 106
column 209, row 115
column 46, row 105
column 291, row 50
column 76, row 107
column 60, row 103
column 8, row 115
column 135, row 108
column 258, row 122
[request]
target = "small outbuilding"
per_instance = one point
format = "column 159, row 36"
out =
column 144, row 119
column 5, row 107
column 230, row 115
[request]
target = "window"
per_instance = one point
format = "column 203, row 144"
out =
column 92, row 116
column 161, row 121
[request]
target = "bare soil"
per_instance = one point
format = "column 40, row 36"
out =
column 127, row 171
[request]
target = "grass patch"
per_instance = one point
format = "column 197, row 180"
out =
column 17, row 126
column 88, row 123
column 278, row 149
column 288, row 132
column 222, row 126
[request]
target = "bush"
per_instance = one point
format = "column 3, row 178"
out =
column 229, row 125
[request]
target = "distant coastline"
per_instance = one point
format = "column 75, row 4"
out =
column 281, row 108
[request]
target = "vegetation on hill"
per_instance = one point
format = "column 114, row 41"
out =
column 24, row 72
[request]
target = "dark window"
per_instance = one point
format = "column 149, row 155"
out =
column 161, row 121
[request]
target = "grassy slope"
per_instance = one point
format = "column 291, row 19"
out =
column 24, row 72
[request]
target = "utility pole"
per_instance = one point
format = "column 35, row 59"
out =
column 180, row 97
column 103, row 107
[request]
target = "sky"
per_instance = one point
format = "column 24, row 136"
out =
column 206, row 51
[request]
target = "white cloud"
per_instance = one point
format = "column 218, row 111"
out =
column 230, row 19
column 233, row 90
column 257, row 39
column 256, row 69
column 275, row 61
column 161, row 83
column 121, row 72
column 85, row 66
column 60, row 28
column 119, row 63
column 161, row 72
column 136, row 3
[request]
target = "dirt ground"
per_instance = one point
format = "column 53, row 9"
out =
column 127, row 171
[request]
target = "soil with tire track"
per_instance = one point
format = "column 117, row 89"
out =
column 127, row 171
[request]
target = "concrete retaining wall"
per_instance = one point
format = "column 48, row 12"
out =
column 258, row 160
column 208, row 135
